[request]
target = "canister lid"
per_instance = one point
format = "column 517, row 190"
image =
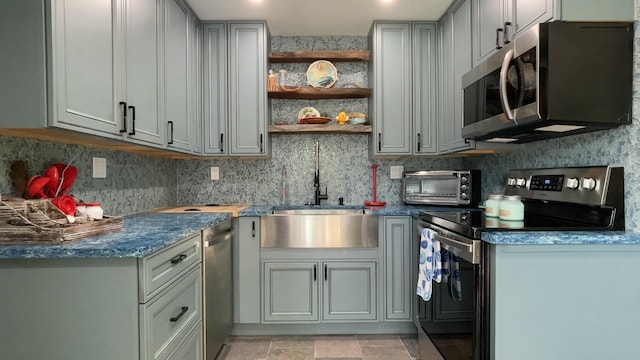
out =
column 512, row 197
column 495, row 197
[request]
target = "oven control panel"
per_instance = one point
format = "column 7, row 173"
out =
column 582, row 185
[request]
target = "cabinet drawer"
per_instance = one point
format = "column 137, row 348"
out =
column 158, row 269
column 166, row 320
column 191, row 348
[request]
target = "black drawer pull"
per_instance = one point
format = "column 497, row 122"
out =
column 178, row 259
column 325, row 272
column 182, row 312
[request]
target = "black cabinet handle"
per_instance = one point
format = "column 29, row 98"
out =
column 325, row 272
column 221, row 143
column 170, row 132
column 315, row 272
column 253, row 229
column 506, row 40
column 133, row 120
column 498, row 31
column 124, row 116
column 419, row 142
column 261, row 142
column 178, row 259
column 182, row 312
column 379, row 141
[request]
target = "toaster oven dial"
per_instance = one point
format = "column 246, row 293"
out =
column 464, row 187
column 463, row 196
column 464, row 180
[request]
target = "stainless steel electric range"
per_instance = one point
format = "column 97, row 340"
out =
column 555, row 199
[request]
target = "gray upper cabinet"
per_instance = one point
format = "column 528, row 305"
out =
column 196, row 86
column 85, row 66
column 424, row 88
column 216, row 134
column 141, row 98
column 176, row 76
column 454, row 33
column 390, row 80
column 248, row 110
column 497, row 22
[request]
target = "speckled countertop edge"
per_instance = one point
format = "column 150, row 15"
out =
column 147, row 233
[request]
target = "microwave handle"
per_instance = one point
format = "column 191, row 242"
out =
column 503, row 85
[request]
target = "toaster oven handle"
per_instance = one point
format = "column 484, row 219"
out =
column 503, row 85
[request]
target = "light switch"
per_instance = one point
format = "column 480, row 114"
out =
column 215, row 173
column 395, row 172
column 99, row 168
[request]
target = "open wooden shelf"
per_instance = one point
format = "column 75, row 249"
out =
column 320, row 129
column 310, row 93
column 310, row 56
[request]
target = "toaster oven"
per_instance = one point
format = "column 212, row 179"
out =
column 450, row 187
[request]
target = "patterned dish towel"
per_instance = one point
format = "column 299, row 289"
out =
column 430, row 268
column 451, row 274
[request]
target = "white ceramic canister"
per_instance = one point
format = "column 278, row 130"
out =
column 94, row 211
column 492, row 205
column 511, row 208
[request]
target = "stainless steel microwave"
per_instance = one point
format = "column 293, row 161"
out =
column 453, row 188
column 556, row 79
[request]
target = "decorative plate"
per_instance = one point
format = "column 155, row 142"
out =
column 322, row 74
column 314, row 120
column 308, row 112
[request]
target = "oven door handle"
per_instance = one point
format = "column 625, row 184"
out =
column 469, row 252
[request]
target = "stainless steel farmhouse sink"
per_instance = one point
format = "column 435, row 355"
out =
column 319, row 228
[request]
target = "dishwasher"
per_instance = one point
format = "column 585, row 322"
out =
column 218, row 287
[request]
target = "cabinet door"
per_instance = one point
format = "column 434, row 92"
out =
column 215, row 89
column 246, row 271
column 424, row 88
column 176, row 75
column 290, row 291
column 391, row 82
column 142, row 90
column 524, row 14
column 248, row 89
column 195, row 82
column 461, row 63
column 349, row 291
column 444, row 80
column 488, row 17
column 400, row 291
column 84, row 66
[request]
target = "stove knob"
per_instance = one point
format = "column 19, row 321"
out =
column 588, row 183
column 572, row 183
column 521, row 182
column 511, row 181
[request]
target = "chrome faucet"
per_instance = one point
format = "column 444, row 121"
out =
column 319, row 196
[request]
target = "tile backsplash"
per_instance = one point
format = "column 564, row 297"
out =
column 134, row 183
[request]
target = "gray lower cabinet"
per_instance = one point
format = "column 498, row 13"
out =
column 398, row 269
column 291, row 291
column 246, row 271
column 104, row 309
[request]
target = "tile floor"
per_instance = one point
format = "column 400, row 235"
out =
column 321, row 347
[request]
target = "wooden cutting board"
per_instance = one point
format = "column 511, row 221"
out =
column 234, row 209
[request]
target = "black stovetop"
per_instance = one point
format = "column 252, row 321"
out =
column 538, row 217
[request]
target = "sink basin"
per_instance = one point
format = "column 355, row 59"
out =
column 319, row 228
column 319, row 211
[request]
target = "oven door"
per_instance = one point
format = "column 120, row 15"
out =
column 453, row 325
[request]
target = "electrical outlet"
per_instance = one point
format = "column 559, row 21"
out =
column 99, row 168
column 215, row 173
column 395, row 172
